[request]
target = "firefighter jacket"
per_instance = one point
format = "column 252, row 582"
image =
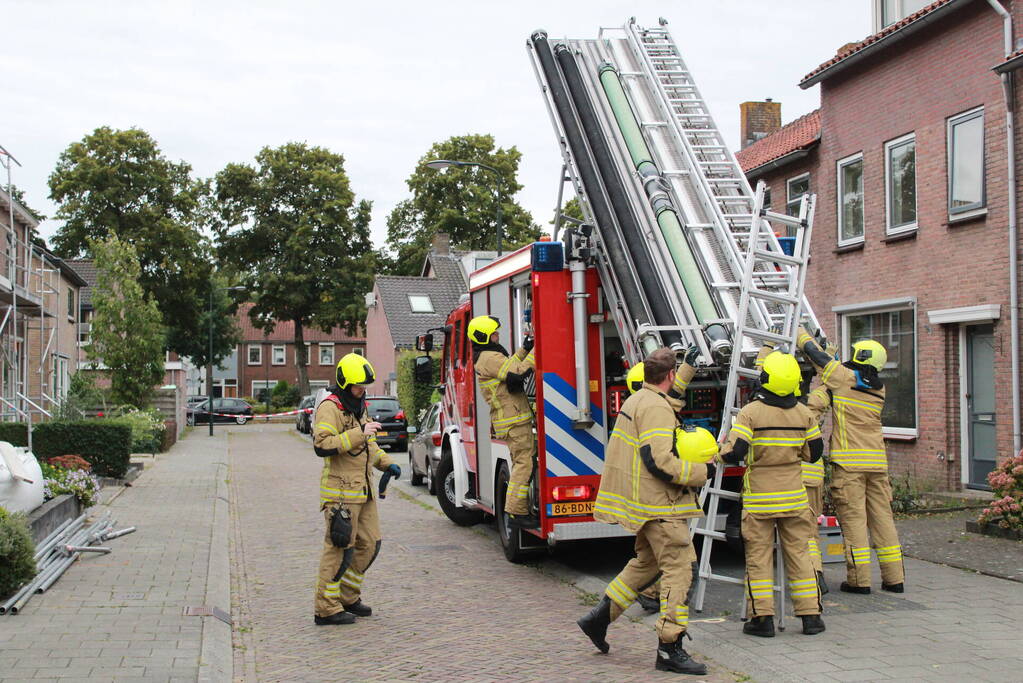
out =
column 643, row 479
column 775, row 434
column 507, row 408
column 347, row 455
column 857, row 443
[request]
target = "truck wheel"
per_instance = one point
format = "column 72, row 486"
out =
column 511, row 539
column 446, row 494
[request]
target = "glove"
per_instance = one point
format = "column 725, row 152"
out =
column 527, row 344
column 831, row 350
column 394, row 471
column 692, row 353
column 711, row 470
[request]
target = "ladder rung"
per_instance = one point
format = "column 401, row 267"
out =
column 653, row 124
column 724, row 493
column 722, row 577
column 774, row 296
column 710, row 533
column 764, row 334
column 783, row 218
column 778, row 257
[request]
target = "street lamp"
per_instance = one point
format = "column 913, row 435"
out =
column 441, row 164
column 209, row 359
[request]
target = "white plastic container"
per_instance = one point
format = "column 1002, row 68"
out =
column 21, row 479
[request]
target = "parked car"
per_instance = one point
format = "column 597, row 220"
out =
column 229, row 409
column 424, row 450
column 304, row 420
column 195, row 400
column 394, row 428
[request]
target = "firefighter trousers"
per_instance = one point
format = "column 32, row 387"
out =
column 522, row 446
column 758, row 537
column 863, row 505
column 342, row 569
column 815, row 494
column 663, row 548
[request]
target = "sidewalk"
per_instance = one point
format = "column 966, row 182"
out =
column 120, row 616
column 942, row 538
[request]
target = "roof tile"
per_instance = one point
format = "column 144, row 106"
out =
column 802, row 133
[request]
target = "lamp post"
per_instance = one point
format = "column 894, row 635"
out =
column 209, row 359
column 441, row 164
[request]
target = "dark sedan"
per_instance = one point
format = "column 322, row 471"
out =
column 393, row 427
column 224, row 410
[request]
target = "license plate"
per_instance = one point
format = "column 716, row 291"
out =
column 381, row 433
column 581, row 508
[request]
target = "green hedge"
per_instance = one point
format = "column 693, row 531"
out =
column 17, row 566
column 412, row 397
column 104, row 443
column 14, row 433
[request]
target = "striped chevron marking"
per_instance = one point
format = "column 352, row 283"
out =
column 570, row 451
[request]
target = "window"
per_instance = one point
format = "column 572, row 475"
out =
column 966, row 162
column 255, row 354
column 420, row 303
column 261, row 389
column 850, row 200
column 795, row 188
column 892, row 11
column 360, row 351
column 317, row 384
column 767, row 198
column 900, row 183
column 326, row 354
column 894, row 326
column 279, row 354
column 70, row 304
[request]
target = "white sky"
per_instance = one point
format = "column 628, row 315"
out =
column 379, row 82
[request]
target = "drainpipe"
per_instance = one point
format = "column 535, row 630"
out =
column 1010, row 149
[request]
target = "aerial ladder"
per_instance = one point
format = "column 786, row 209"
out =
column 685, row 249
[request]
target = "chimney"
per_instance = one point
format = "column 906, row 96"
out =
column 758, row 120
column 442, row 244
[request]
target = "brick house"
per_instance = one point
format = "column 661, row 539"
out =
column 264, row 358
column 907, row 156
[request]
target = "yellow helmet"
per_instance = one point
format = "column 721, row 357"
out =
column 481, row 328
column 869, row 352
column 354, row 369
column 634, row 378
column 781, row 374
column 695, row 444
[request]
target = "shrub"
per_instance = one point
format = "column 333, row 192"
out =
column 147, row 427
column 106, row 443
column 413, row 397
column 17, row 561
column 1006, row 482
column 14, row 433
column 79, row 483
column 285, row 395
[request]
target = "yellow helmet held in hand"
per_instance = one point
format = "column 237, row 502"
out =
column 354, row 369
column 869, row 352
column 781, row 374
column 695, row 444
column 481, row 328
column 634, row 378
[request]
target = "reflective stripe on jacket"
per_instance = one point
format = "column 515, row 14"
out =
column 507, row 409
column 857, row 442
column 346, row 475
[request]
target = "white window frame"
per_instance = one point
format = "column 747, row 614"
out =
column 788, row 190
column 359, row 350
column 268, row 384
column 316, row 384
column 429, row 299
column 890, row 306
column 971, row 209
column 248, row 354
column 888, row 227
column 839, row 165
column 319, row 353
column 283, row 348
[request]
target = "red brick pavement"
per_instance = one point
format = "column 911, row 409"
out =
column 447, row 606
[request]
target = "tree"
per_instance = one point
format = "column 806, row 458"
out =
column 219, row 312
column 127, row 334
column 19, row 196
column 119, row 182
column 461, row 201
column 291, row 227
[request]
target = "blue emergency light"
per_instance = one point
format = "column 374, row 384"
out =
column 548, row 256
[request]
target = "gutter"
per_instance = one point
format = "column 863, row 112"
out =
column 783, row 160
column 1010, row 151
column 893, row 37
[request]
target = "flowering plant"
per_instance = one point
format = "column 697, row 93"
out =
column 70, row 462
column 1006, row 481
column 79, row 483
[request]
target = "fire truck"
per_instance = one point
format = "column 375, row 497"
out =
column 675, row 249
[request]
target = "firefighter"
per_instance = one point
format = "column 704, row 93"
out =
column 860, row 490
column 770, row 433
column 652, row 471
column 345, row 438
column 501, row 379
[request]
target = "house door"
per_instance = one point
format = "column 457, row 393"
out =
column 980, row 403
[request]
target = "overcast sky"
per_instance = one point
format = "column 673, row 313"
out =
column 377, row 81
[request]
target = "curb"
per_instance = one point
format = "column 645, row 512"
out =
column 216, row 658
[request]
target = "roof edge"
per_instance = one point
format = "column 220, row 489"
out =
column 783, row 160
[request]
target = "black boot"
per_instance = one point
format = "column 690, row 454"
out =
column 334, row 619
column 673, row 657
column 759, row 626
column 812, row 624
column 649, row 605
column 861, row 590
column 596, row 622
column 523, row 522
column 359, row 609
column 822, row 585
column 894, row 587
